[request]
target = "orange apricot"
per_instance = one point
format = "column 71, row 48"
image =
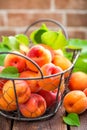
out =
column 4, row 105
column 22, row 91
column 85, row 91
column 75, row 102
column 34, row 107
column 39, row 55
column 78, row 81
column 62, row 61
column 52, row 82
column 16, row 61
column 33, row 84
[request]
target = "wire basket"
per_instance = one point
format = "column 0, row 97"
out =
column 50, row 111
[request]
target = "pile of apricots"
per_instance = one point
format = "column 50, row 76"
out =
column 35, row 96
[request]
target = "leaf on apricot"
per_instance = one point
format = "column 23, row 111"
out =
column 72, row 119
column 10, row 72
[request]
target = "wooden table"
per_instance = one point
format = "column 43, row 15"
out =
column 55, row 123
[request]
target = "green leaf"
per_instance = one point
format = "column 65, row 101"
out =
column 10, row 72
column 61, row 41
column 2, row 57
column 10, row 42
column 77, row 44
column 22, row 39
column 72, row 119
column 81, row 63
column 35, row 36
column 4, row 47
column 49, row 38
column 56, row 40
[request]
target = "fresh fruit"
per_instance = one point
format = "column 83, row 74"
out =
column 62, row 61
column 85, row 91
column 4, row 105
column 75, row 102
column 16, row 61
column 49, row 96
column 49, row 48
column 34, row 107
column 78, row 81
column 33, row 84
column 22, row 91
column 24, row 49
column 50, row 83
column 39, row 55
column 58, row 52
column 2, row 81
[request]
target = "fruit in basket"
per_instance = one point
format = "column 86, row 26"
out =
column 49, row 96
column 4, row 105
column 50, row 83
column 40, row 55
column 58, row 52
column 85, row 91
column 2, row 81
column 62, row 61
column 52, row 51
column 16, row 61
column 75, row 102
column 34, row 107
column 33, row 84
column 22, row 91
column 78, row 81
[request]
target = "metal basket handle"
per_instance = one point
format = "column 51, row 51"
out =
column 48, row 20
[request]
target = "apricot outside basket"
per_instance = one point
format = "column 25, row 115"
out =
column 16, row 115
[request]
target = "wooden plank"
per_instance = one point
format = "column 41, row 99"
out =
column 55, row 123
column 83, row 122
column 5, row 124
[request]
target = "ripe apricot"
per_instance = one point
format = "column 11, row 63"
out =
column 85, row 91
column 39, row 55
column 22, row 91
column 16, row 61
column 34, row 107
column 4, row 105
column 78, row 81
column 2, row 81
column 75, row 102
column 62, row 61
column 52, row 82
column 33, row 84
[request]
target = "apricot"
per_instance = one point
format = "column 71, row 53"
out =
column 78, row 81
column 52, row 82
column 16, row 61
column 2, row 81
column 22, row 91
column 39, row 55
column 85, row 91
column 63, row 62
column 49, row 48
column 58, row 52
column 4, row 105
column 49, row 96
column 33, row 84
column 34, row 107
column 75, row 102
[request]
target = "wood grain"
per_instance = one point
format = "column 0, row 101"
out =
column 5, row 124
column 55, row 123
column 83, row 122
